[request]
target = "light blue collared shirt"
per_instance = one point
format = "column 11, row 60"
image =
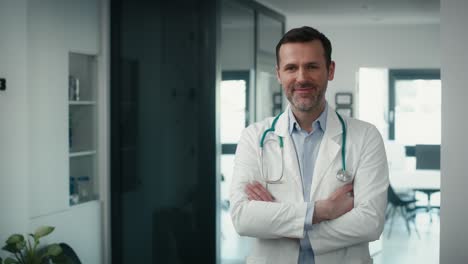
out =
column 307, row 147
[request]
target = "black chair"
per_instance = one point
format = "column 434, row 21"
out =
column 428, row 158
column 70, row 254
column 406, row 205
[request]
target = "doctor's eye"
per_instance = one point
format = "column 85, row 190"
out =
column 312, row 66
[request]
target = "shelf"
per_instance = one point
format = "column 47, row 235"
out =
column 82, row 126
column 86, row 202
column 82, row 102
column 82, row 153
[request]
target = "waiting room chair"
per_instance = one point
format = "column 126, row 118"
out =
column 405, row 205
column 428, row 158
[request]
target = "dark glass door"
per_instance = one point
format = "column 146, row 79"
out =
column 164, row 155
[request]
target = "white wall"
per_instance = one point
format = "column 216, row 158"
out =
column 14, row 161
column 36, row 37
column 454, row 216
column 48, row 106
column 380, row 46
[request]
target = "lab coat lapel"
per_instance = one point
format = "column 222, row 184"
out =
column 329, row 149
column 290, row 158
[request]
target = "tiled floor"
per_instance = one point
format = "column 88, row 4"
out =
column 402, row 248
column 399, row 247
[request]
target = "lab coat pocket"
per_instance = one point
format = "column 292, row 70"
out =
column 255, row 260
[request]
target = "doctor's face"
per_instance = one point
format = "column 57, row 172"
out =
column 304, row 75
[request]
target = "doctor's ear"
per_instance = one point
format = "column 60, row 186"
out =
column 331, row 71
column 277, row 74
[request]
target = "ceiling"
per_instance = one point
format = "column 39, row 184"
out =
column 358, row 11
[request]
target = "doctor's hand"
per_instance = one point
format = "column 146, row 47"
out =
column 340, row 202
column 256, row 192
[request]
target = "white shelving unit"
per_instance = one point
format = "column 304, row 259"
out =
column 78, row 46
column 82, row 105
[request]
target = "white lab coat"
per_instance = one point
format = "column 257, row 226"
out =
column 279, row 225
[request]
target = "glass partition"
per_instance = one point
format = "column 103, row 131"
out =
column 237, row 64
column 268, row 90
column 248, row 38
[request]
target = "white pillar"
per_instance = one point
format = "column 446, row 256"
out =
column 454, row 157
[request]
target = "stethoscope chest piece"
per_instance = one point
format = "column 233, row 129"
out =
column 344, row 176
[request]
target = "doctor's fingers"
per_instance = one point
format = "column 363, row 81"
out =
column 264, row 191
column 252, row 196
column 341, row 206
column 257, row 190
column 343, row 190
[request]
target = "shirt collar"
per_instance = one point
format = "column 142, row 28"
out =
column 320, row 122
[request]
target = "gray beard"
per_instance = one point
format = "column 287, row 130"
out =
column 302, row 107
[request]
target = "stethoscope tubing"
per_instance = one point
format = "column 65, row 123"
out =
column 342, row 175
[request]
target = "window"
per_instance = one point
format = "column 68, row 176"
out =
column 415, row 106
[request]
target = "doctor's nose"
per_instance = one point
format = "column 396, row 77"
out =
column 301, row 75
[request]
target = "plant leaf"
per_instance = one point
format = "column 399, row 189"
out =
column 21, row 245
column 54, row 250
column 43, row 231
column 10, row 261
column 61, row 259
column 15, row 238
column 10, row 248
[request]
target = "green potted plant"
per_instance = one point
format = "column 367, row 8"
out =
column 27, row 251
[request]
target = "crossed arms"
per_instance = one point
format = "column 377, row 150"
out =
column 338, row 203
column 340, row 220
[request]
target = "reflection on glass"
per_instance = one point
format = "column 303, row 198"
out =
column 249, row 83
column 237, row 37
column 269, row 33
column 234, row 248
column 418, row 111
column 233, row 94
column 237, row 58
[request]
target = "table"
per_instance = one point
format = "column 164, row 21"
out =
column 426, row 181
column 415, row 179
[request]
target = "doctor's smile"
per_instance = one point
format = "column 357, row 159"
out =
column 307, row 87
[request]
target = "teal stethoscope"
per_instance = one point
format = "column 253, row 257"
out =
column 342, row 175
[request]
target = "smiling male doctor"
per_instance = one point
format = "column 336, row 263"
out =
column 285, row 191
